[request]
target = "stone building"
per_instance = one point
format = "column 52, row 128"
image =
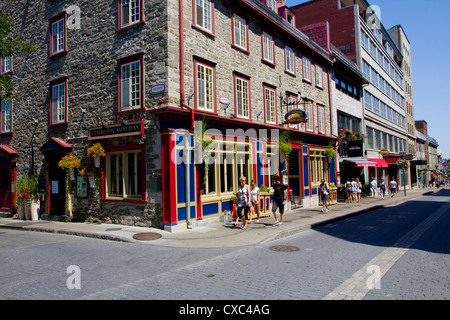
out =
column 138, row 76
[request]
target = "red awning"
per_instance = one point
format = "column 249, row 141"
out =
column 381, row 163
column 6, row 151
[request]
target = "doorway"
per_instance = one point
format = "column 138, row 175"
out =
column 56, row 187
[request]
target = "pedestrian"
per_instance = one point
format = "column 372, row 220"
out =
column 324, row 191
column 358, row 190
column 373, row 187
column 393, row 187
column 382, row 189
column 256, row 199
column 278, row 200
column 348, row 190
column 354, row 190
column 244, row 203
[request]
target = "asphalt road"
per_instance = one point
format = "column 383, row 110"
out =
column 399, row 252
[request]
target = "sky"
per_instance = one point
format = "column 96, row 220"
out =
column 427, row 26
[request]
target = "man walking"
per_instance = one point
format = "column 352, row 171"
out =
column 278, row 199
column 393, row 187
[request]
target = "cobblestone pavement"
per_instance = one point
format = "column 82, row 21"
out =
column 405, row 247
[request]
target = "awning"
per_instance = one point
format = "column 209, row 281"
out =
column 6, row 151
column 381, row 163
column 55, row 144
column 359, row 162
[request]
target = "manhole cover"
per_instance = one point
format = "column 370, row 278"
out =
column 146, row 236
column 284, row 248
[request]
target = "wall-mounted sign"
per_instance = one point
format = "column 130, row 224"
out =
column 124, row 129
column 384, row 152
column 295, row 116
column 355, row 149
column 157, row 89
column 224, row 100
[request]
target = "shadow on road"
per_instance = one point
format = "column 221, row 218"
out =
column 384, row 227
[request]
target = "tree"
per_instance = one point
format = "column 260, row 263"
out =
column 9, row 47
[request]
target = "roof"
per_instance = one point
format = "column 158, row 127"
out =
column 7, row 151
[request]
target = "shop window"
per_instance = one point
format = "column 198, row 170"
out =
column 124, row 172
column 319, row 167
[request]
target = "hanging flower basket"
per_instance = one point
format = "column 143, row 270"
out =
column 403, row 164
column 96, row 151
column 69, row 162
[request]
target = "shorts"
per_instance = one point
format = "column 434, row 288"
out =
column 324, row 199
column 239, row 211
column 393, row 190
column 278, row 206
column 383, row 190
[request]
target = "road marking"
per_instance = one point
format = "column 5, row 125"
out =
column 355, row 287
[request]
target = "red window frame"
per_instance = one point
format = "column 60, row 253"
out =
column 194, row 18
column 119, row 16
column 52, row 84
column 130, row 147
column 10, row 118
column 208, row 64
column 233, row 44
column 263, row 59
column 292, row 73
column 62, row 15
column 310, row 70
column 319, row 106
column 120, row 63
column 274, row 89
column 247, row 79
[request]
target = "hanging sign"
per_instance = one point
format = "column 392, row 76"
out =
column 295, row 116
column 123, row 129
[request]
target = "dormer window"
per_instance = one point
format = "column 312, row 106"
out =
column 272, row 4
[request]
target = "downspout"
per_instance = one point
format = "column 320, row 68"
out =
column 187, row 137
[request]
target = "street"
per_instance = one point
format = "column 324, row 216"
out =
column 398, row 252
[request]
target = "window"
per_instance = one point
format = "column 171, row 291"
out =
column 309, row 116
column 268, row 48
column 58, row 41
column 203, row 15
column 124, row 172
column 272, row 4
column 290, row 59
column 319, row 166
column 58, row 102
column 131, row 96
column 6, row 116
column 370, row 138
column 205, row 86
column 6, row 64
column 270, row 104
column 240, row 32
column 306, row 69
column 321, row 118
column 319, row 76
column 130, row 12
column 242, row 95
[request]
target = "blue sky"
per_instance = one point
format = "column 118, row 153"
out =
column 427, row 26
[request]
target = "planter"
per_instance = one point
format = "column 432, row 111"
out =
column 97, row 162
column 91, row 181
column 35, row 206
column 72, row 174
column 332, row 197
column 22, row 207
column 27, row 210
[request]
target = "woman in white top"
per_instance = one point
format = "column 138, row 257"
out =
column 244, row 202
column 255, row 199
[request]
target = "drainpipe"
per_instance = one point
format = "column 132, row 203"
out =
column 187, row 136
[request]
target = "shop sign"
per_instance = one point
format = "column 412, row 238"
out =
column 384, row 152
column 295, row 116
column 124, row 129
column 354, row 149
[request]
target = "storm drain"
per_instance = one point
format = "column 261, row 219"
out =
column 284, row 248
column 146, row 236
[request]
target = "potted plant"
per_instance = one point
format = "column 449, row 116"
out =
column 90, row 173
column 96, row 151
column 69, row 164
column 28, row 198
column 330, row 152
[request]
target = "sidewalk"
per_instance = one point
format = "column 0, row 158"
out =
column 218, row 234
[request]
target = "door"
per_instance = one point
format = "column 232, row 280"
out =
column 56, row 181
column 295, row 181
column 5, row 185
